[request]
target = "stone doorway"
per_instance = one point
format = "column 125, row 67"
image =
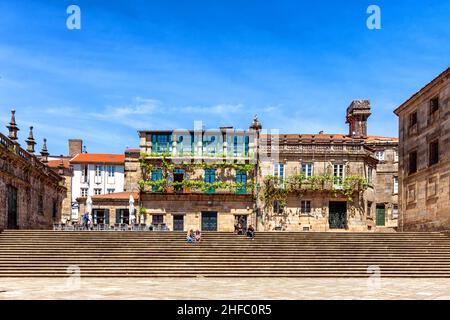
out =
column 381, row 215
column 12, row 207
column 209, row 221
column 178, row 222
column 337, row 216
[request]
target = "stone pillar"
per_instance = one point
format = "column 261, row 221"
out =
column 44, row 152
column 30, row 141
column 12, row 127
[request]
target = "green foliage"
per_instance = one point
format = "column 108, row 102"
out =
column 275, row 188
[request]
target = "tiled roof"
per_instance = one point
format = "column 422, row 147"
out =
column 319, row 136
column 115, row 196
column 98, row 158
column 326, row 137
column 379, row 138
column 56, row 163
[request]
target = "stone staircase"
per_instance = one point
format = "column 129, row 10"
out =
column 31, row 253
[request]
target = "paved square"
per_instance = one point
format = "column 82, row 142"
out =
column 223, row 288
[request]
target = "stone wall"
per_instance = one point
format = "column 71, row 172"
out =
column 36, row 184
column 425, row 195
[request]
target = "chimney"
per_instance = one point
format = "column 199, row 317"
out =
column 12, row 127
column 357, row 114
column 75, row 147
column 30, row 141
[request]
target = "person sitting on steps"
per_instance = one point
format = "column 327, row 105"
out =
column 190, row 237
column 198, row 236
column 251, row 232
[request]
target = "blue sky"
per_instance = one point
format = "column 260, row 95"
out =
column 164, row 64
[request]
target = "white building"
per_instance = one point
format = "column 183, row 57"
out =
column 96, row 174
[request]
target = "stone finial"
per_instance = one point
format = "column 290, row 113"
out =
column 30, row 141
column 44, row 152
column 12, row 127
column 256, row 125
column 61, row 167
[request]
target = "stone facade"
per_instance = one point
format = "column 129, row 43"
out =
column 184, row 157
column 328, row 156
column 31, row 194
column 424, row 154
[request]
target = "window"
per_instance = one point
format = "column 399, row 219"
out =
column 433, row 150
column 157, row 219
column 380, row 155
column 278, row 208
column 84, row 192
column 413, row 119
column 370, row 175
column 396, row 156
column 338, row 172
column 241, row 178
column 434, row 105
column 395, row 185
column 84, row 173
column 111, row 171
column 412, row 162
column 278, row 170
column 97, row 191
column 369, row 208
column 305, row 206
column 307, row 169
column 156, row 176
column 98, row 171
column 111, row 190
column 210, row 177
column 161, row 143
column 395, row 212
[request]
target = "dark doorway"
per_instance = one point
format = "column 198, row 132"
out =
column 337, row 217
column 11, row 198
column 209, row 221
column 178, row 222
column 123, row 216
column 100, row 216
column 241, row 219
column 381, row 215
column 178, row 177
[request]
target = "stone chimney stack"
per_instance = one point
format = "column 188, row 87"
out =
column 30, row 141
column 12, row 127
column 75, row 147
column 357, row 114
column 44, row 152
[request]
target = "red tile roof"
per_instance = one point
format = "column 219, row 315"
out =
column 326, row 137
column 115, row 196
column 56, row 163
column 98, row 158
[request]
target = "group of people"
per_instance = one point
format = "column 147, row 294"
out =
column 194, row 236
column 240, row 230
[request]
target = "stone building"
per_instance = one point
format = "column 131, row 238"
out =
column 31, row 194
column 198, row 179
column 212, row 179
column 61, row 166
column 424, row 154
column 322, row 182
